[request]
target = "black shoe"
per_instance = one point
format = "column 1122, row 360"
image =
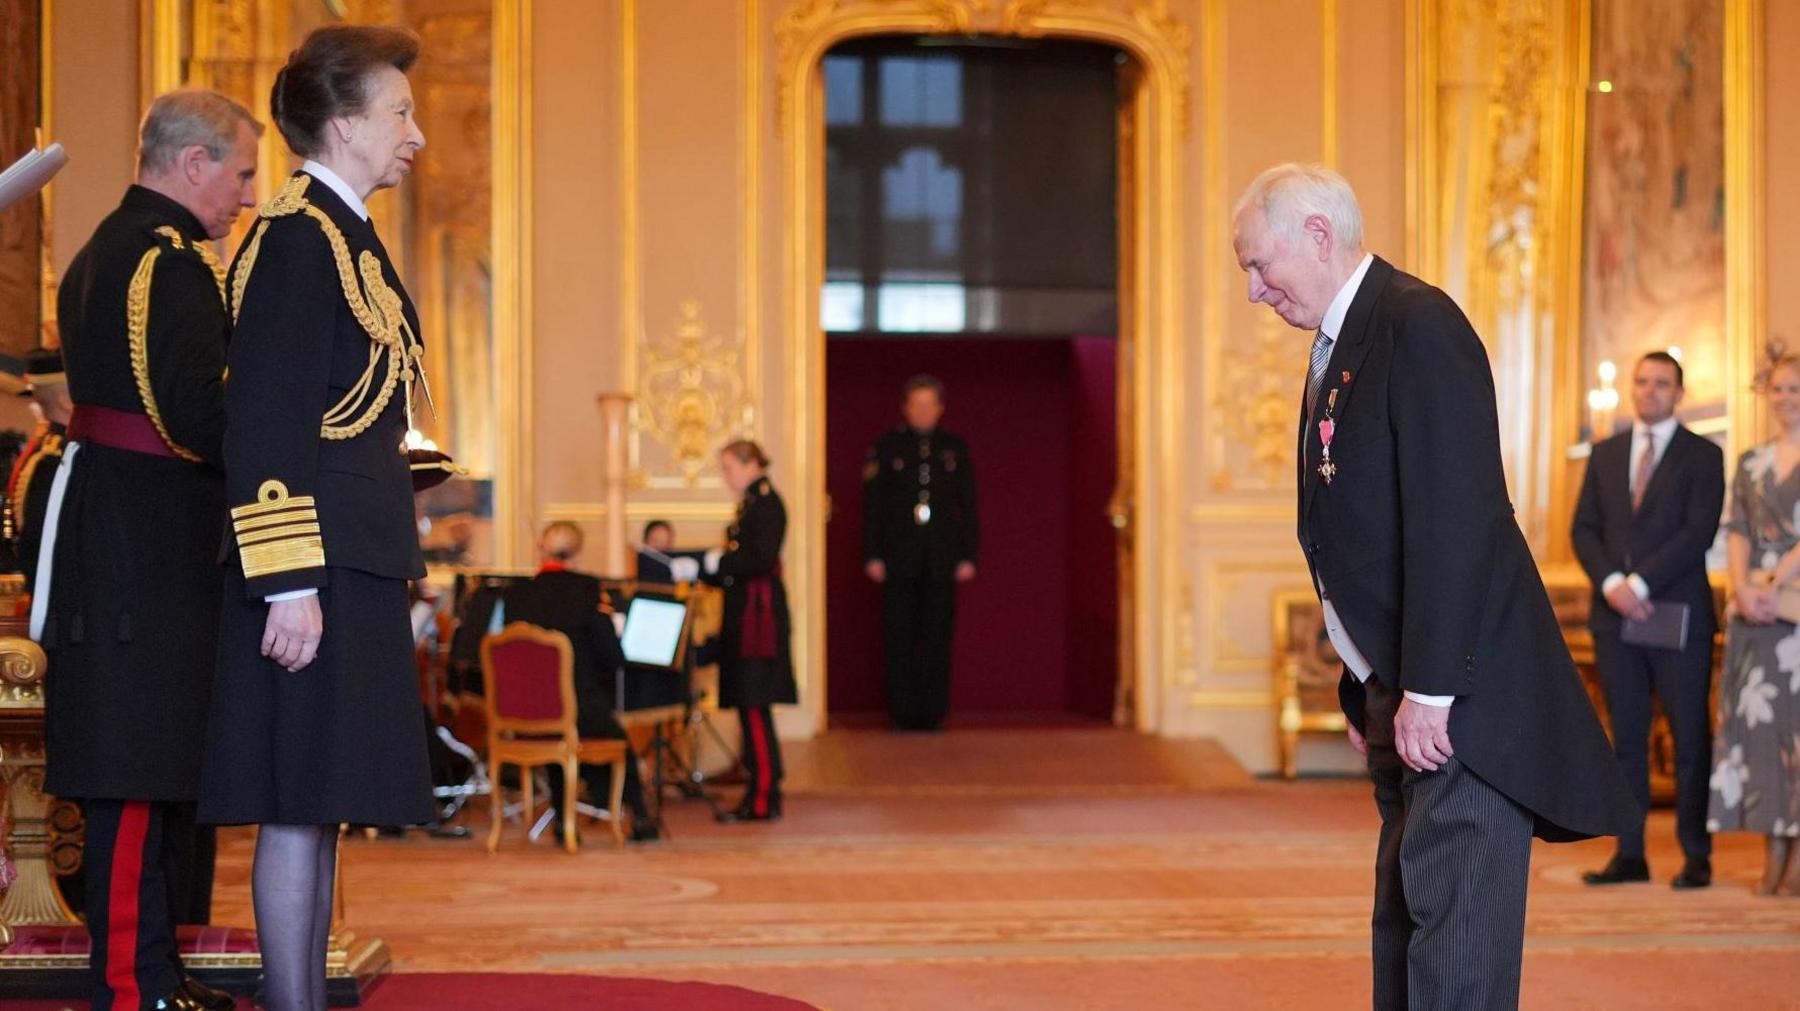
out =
column 747, row 812
column 644, row 830
column 207, row 997
column 1619, row 871
column 1696, row 874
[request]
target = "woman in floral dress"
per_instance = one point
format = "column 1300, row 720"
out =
column 1756, row 753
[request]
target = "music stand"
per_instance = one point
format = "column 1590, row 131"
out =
column 650, row 651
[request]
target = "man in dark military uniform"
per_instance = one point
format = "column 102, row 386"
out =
column 28, row 491
column 919, row 540
column 127, row 601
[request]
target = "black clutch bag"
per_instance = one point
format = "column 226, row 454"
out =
column 1666, row 628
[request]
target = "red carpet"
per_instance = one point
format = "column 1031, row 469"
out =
column 493, row 991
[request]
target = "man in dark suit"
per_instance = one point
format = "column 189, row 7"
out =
column 565, row 601
column 1457, row 684
column 1648, row 511
column 920, row 533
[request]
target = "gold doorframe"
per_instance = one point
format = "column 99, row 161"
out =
column 1152, row 360
column 514, row 484
column 1556, row 37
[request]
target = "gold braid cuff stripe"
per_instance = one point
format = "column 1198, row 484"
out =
column 275, row 534
column 282, row 518
column 137, row 324
column 272, row 497
column 282, row 556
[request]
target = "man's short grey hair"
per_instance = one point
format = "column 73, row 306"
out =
column 1290, row 193
column 191, row 117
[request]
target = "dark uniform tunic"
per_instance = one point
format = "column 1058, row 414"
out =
column 130, row 622
column 29, row 496
column 756, row 667
column 323, row 358
column 919, row 520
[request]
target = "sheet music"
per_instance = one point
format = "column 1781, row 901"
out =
column 30, row 173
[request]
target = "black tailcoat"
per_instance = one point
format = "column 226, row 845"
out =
column 133, row 621
column 1414, row 538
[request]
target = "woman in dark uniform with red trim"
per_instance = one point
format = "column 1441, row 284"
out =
column 315, row 717
column 756, row 669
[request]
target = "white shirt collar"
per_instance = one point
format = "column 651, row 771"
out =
column 1340, row 306
column 338, row 186
column 1659, row 431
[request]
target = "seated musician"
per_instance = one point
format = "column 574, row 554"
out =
column 563, row 600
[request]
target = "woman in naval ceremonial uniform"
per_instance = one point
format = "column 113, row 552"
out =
column 315, row 717
column 756, row 669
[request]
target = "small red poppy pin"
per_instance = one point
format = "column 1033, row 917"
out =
column 1346, row 376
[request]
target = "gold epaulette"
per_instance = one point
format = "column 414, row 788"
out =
column 137, row 336
column 380, row 314
column 200, row 249
column 278, row 533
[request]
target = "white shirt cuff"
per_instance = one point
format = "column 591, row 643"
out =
column 1638, row 586
column 1607, row 584
column 276, row 598
column 712, row 559
column 1439, row 701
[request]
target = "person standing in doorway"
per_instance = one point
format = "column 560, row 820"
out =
column 920, row 537
column 1649, row 510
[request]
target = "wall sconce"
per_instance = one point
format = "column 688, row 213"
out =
column 1603, row 402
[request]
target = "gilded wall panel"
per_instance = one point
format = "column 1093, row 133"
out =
column 22, row 224
column 690, row 360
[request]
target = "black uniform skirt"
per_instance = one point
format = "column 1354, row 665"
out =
column 341, row 740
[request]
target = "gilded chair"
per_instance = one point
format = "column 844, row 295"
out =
column 1306, row 670
column 530, row 677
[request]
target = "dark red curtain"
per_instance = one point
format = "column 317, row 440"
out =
column 1036, row 632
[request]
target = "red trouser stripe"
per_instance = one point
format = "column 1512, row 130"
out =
column 759, row 738
column 122, row 910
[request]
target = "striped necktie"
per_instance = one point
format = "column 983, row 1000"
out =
column 1315, row 377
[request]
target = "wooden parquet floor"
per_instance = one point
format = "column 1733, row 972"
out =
column 1001, row 869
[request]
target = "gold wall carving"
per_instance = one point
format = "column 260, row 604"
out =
column 1255, row 405
column 1158, row 40
column 1493, row 186
column 692, row 398
column 1497, row 134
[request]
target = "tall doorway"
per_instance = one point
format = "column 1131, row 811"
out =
column 972, row 197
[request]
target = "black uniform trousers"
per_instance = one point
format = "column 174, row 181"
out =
column 603, row 726
column 1450, row 878
column 919, row 618
column 1682, row 679
column 761, row 751
column 143, row 862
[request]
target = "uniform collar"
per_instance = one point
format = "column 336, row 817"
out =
column 143, row 198
column 337, row 185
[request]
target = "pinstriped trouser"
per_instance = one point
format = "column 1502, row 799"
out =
column 1450, row 879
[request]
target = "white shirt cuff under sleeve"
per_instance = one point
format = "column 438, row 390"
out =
column 1439, row 701
column 276, row 598
column 1638, row 586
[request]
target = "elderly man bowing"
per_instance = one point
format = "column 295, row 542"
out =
column 1457, row 684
